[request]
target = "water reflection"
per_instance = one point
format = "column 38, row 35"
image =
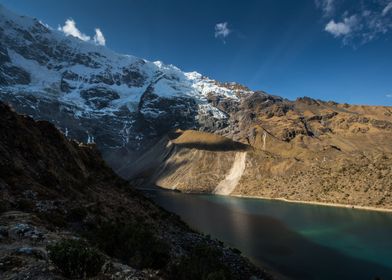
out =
column 299, row 241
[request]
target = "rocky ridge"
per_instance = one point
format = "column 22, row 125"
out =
column 307, row 150
column 53, row 188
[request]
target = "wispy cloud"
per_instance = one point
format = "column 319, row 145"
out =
column 387, row 8
column 69, row 28
column 327, row 6
column 222, row 30
column 356, row 24
column 99, row 39
column 389, row 95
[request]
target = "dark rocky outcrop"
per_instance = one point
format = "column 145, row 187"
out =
column 99, row 97
column 162, row 115
column 53, row 188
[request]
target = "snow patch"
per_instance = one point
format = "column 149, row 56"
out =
column 40, row 75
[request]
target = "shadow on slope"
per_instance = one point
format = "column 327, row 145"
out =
column 193, row 139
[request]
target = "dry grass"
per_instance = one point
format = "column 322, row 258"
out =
column 206, row 141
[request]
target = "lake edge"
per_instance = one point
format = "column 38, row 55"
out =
column 317, row 203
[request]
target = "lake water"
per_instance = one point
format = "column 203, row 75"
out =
column 299, row 241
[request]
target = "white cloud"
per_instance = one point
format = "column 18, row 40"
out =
column 389, row 95
column 337, row 28
column 343, row 28
column 99, row 39
column 369, row 21
column 387, row 8
column 70, row 28
column 222, row 30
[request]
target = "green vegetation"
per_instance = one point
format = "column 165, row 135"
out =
column 75, row 258
column 132, row 243
column 25, row 205
column 54, row 217
column 203, row 263
column 77, row 214
column 3, row 206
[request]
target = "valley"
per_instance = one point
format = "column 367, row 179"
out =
column 64, row 214
column 116, row 167
column 302, row 150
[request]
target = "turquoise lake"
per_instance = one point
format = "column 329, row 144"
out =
column 299, row 241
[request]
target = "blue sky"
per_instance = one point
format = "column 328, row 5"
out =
column 328, row 49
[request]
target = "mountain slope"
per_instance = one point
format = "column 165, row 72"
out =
column 92, row 94
column 301, row 150
column 191, row 161
column 317, row 152
column 53, row 188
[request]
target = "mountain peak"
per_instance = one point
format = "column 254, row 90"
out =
column 93, row 92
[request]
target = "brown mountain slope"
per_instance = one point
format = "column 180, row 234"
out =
column 53, row 188
column 190, row 161
column 307, row 150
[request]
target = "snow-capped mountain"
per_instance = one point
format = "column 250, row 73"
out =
column 96, row 95
column 295, row 149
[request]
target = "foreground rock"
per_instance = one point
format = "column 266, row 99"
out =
column 53, row 189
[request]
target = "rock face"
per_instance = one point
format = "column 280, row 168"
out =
column 122, row 103
column 53, row 188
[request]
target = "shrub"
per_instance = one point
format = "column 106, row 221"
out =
column 77, row 214
column 236, row 251
column 54, row 218
column 218, row 275
column 75, row 258
column 132, row 243
column 3, row 206
column 25, row 205
column 203, row 263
